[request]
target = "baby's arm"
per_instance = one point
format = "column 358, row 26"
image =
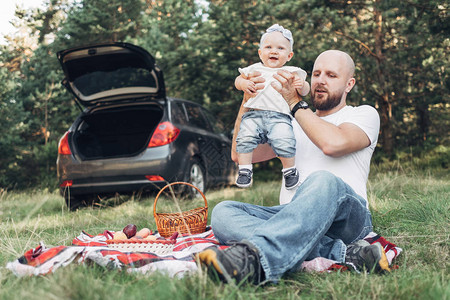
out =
column 245, row 85
column 301, row 85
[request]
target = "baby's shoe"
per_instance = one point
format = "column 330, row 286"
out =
column 291, row 178
column 244, row 179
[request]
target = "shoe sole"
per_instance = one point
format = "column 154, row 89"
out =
column 208, row 258
column 382, row 264
column 244, row 185
column 294, row 186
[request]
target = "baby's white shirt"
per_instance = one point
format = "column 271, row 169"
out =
column 269, row 98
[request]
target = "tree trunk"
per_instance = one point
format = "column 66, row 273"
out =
column 385, row 105
column 423, row 121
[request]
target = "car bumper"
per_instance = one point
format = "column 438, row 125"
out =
column 120, row 175
column 108, row 185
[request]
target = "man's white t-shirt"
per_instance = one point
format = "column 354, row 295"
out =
column 269, row 98
column 352, row 168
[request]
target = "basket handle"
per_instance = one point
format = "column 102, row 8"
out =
column 174, row 183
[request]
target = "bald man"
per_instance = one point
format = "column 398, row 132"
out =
column 328, row 214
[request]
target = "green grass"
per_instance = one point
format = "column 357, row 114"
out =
column 410, row 207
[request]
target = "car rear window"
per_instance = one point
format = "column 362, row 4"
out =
column 216, row 125
column 196, row 118
column 178, row 114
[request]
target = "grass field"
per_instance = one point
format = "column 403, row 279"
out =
column 411, row 208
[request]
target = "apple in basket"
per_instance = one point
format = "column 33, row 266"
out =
column 130, row 230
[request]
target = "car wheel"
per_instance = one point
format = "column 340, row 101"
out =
column 196, row 177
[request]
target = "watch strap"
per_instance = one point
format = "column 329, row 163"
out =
column 301, row 104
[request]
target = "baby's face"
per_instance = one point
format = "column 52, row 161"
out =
column 275, row 50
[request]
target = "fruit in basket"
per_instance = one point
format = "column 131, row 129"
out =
column 150, row 238
column 144, row 232
column 119, row 235
column 130, row 230
column 173, row 236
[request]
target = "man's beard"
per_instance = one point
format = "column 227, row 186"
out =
column 332, row 101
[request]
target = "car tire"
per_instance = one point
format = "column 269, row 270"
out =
column 196, row 176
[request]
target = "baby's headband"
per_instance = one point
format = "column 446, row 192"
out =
column 286, row 33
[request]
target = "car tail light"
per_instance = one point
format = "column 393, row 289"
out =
column 63, row 146
column 66, row 183
column 164, row 134
column 154, row 178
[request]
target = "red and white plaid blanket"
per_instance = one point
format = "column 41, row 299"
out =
column 93, row 248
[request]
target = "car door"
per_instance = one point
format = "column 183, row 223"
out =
column 228, row 167
column 209, row 143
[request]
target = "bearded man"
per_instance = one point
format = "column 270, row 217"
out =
column 328, row 214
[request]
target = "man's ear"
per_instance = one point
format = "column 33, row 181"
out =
column 350, row 84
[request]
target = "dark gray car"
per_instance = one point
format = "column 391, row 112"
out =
column 130, row 136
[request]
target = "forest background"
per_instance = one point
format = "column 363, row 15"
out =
column 400, row 47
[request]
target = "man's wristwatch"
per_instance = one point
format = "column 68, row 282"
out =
column 301, row 104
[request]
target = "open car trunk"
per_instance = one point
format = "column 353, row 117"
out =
column 120, row 132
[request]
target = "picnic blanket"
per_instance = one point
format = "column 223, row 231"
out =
column 88, row 248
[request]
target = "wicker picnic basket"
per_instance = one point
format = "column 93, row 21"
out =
column 192, row 221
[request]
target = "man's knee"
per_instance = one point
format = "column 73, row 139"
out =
column 323, row 182
column 220, row 214
column 219, row 208
column 220, row 221
column 322, row 175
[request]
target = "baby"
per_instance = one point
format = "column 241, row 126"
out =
column 268, row 119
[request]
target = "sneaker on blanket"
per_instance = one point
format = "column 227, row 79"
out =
column 237, row 263
column 361, row 255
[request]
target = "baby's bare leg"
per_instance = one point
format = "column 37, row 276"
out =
column 245, row 158
column 288, row 162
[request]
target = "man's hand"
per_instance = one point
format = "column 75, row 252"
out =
column 287, row 88
column 257, row 81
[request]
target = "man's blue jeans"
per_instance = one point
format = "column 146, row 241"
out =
column 324, row 215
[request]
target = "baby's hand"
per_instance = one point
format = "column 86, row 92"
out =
column 298, row 82
column 249, row 87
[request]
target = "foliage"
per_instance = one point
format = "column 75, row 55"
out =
column 170, row 32
column 13, row 127
column 99, row 21
column 437, row 158
column 400, row 50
